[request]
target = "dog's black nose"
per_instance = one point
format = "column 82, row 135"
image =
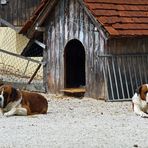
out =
column 0, row 99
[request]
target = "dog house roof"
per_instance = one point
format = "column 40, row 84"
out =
column 117, row 17
column 121, row 17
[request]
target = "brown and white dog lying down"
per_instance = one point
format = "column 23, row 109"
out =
column 140, row 101
column 16, row 102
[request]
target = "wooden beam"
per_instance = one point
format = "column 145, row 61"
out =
column 40, row 19
column 40, row 44
column 74, row 90
column 34, row 74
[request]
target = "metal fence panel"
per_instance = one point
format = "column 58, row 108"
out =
column 123, row 74
column 18, row 70
column 23, row 72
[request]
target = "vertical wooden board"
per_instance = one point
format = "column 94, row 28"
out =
column 93, row 72
column 88, row 64
column 100, row 85
column 8, row 13
column 71, row 19
column 61, row 44
column 5, row 14
column 0, row 11
column 97, row 70
column 97, row 43
column 86, row 32
column 66, row 22
column 23, row 15
column 46, row 55
column 3, row 10
column 81, row 25
column 49, row 42
column 66, row 33
column 102, row 45
column 57, row 39
column 29, row 10
column 76, row 19
column 85, row 29
column 15, row 14
column 49, row 61
column 15, row 11
column 87, row 59
column 20, row 18
column 52, row 60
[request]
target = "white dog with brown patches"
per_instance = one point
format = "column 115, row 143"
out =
column 16, row 102
column 140, row 101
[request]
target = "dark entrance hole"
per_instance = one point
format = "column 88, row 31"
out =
column 74, row 64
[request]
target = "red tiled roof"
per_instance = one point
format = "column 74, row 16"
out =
column 118, row 17
column 121, row 17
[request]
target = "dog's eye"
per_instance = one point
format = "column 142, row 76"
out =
column 5, row 95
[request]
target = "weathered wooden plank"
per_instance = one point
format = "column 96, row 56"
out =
column 46, row 57
column 52, row 59
column 17, row 12
column 71, row 20
column 74, row 90
column 93, row 67
column 97, row 68
column 90, row 60
column 85, row 29
column 61, row 44
column 76, row 19
column 81, row 31
column 66, row 24
column 56, row 41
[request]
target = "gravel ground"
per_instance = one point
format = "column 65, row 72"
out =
column 76, row 123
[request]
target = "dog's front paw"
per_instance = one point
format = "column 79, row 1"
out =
column 7, row 114
column 144, row 115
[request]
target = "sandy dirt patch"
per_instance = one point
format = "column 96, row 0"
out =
column 76, row 123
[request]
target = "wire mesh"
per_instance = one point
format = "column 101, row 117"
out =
column 18, row 69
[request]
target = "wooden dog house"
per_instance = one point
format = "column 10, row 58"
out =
column 85, row 44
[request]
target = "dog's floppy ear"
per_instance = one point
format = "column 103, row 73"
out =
column 138, row 90
column 14, row 93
